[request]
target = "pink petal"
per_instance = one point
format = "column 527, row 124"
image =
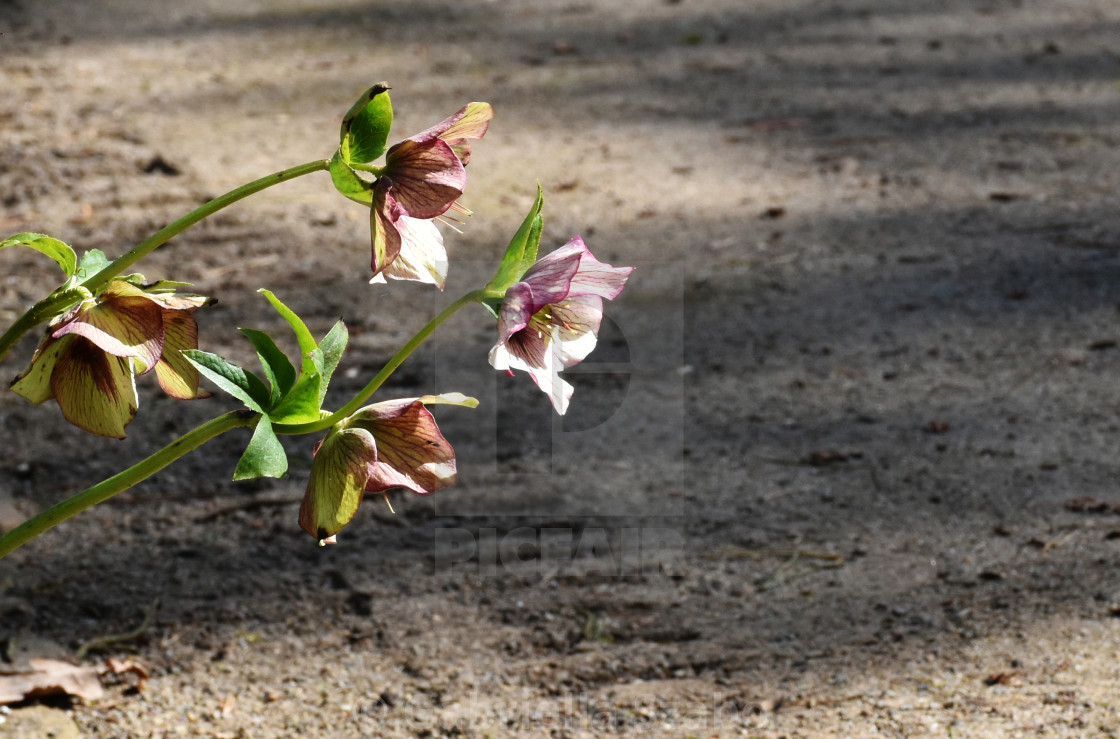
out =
column 470, row 122
column 384, row 215
column 411, row 451
column 96, row 391
column 427, row 177
column 576, row 327
column 516, row 310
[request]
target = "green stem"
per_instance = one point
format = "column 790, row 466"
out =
column 44, row 310
column 165, row 234
column 121, row 481
column 390, row 366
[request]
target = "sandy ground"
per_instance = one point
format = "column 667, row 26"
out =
column 826, row 475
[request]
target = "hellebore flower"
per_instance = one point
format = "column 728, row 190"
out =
column 91, row 355
column 393, row 444
column 422, row 178
column 549, row 320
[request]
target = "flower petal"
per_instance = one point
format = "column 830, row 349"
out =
column 470, row 122
column 594, row 277
column 427, row 177
column 551, row 277
column 96, row 391
column 532, row 353
column 576, row 322
column 177, row 376
column 34, row 383
column 339, row 474
column 411, row 451
column 124, row 322
column 422, row 256
column 384, row 215
column 515, row 312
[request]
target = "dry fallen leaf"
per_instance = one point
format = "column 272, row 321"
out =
column 50, row 677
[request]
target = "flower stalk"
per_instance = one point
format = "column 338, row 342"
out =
column 125, row 479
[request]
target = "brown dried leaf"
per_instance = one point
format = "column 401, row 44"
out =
column 50, row 677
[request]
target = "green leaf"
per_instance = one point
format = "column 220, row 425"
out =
column 347, row 181
column 278, row 369
column 92, row 262
column 328, row 355
column 301, row 404
column 241, row 384
column 365, row 127
column 53, row 248
column 522, row 250
column 264, row 457
column 303, row 336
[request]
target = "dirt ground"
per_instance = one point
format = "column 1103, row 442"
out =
column 845, row 463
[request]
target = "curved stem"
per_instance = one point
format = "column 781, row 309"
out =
column 44, row 310
column 165, row 234
column 380, row 378
column 125, row 479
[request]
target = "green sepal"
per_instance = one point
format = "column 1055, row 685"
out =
column 522, row 250
column 92, row 262
column 57, row 250
column 347, row 181
column 264, row 457
column 240, row 383
column 365, row 127
column 278, row 370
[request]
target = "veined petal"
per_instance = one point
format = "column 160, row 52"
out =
column 515, row 312
column 124, row 322
column 594, row 277
column 575, row 328
column 34, row 383
column 176, row 375
column 469, row 122
column 545, row 366
column 339, row 474
column 384, row 215
column 411, row 451
column 96, row 391
column 551, row 277
column 427, row 176
column 422, row 256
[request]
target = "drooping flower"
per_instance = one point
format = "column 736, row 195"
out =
column 392, row 444
column 422, row 178
column 549, row 321
column 91, row 355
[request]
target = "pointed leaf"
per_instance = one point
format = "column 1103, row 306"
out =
column 303, row 336
column 365, row 127
column 264, row 457
column 241, row 384
column 522, row 250
column 347, row 181
column 51, row 247
column 301, row 404
column 328, row 355
column 278, row 369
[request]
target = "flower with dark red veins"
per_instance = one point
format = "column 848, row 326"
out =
column 422, row 178
column 91, row 355
column 393, row 444
column 549, row 321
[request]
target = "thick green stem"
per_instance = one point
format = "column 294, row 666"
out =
column 121, row 481
column 44, row 310
column 165, row 234
column 390, row 366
